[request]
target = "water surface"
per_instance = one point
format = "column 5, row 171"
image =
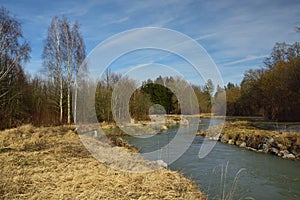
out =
column 261, row 176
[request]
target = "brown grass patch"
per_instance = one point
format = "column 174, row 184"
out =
column 244, row 131
column 52, row 163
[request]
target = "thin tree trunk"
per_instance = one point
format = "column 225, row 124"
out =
column 75, row 101
column 59, row 70
column 61, row 99
column 69, row 94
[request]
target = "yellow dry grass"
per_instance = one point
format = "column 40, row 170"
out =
column 244, row 129
column 52, row 163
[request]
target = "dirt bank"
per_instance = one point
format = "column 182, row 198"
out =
column 52, row 163
column 245, row 135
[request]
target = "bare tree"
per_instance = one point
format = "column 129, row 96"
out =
column 63, row 53
column 52, row 56
column 14, row 49
column 74, row 56
column 14, row 52
column 79, row 57
column 69, row 44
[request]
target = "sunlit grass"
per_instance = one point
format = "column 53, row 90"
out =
column 52, row 163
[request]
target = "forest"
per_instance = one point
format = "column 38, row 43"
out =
column 272, row 91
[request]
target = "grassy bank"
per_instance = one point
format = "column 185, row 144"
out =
column 247, row 134
column 40, row 163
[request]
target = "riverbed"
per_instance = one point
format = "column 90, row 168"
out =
column 227, row 169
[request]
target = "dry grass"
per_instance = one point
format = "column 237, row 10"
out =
column 243, row 131
column 41, row 163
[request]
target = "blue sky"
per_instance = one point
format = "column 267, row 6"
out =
column 236, row 34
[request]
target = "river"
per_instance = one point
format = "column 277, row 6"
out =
column 257, row 175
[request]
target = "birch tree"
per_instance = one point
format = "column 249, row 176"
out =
column 79, row 57
column 74, row 55
column 63, row 53
column 52, row 56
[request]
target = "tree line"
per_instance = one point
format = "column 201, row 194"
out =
column 272, row 91
column 44, row 99
column 152, row 97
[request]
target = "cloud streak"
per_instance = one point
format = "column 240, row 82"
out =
column 246, row 59
column 234, row 33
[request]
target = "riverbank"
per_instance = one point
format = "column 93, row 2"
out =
column 158, row 123
column 51, row 162
column 245, row 134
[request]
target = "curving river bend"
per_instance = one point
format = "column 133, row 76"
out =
column 261, row 176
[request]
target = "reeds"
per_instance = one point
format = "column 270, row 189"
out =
column 227, row 190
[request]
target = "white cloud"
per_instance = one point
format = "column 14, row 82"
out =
column 118, row 21
column 203, row 37
column 246, row 59
column 162, row 23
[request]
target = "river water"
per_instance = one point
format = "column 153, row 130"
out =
column 228, row 170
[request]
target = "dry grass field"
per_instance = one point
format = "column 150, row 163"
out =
column 52, row 163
